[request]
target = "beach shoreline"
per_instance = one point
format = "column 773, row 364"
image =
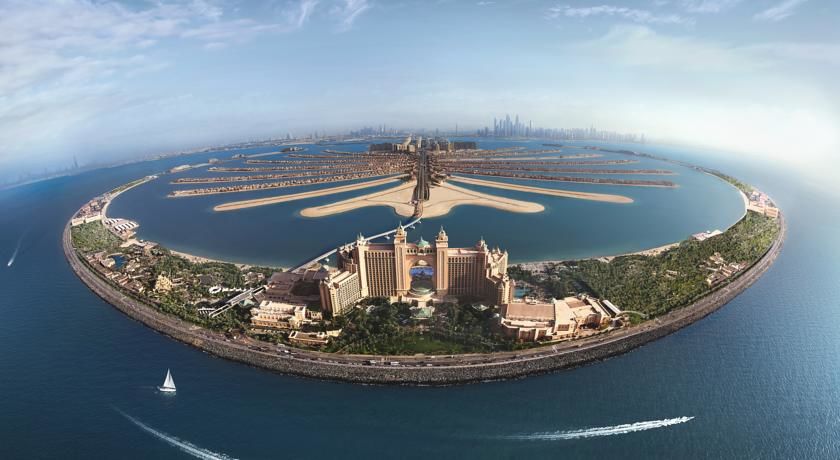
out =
column 604, row 197
column 412, row 370
column 243, row 204
column 443, row 198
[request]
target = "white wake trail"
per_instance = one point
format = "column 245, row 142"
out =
column 184, row 446
column 14, row 254
column 601, row 431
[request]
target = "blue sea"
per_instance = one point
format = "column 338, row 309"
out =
column 278, row 235
column 760, row 378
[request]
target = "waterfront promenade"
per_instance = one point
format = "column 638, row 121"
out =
column 420, row 370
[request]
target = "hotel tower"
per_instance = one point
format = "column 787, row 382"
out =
column 421, row 272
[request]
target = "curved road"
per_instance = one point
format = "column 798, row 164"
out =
column 420, row 370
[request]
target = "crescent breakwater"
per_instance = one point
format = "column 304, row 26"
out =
column 414, row 369
column 420, row 370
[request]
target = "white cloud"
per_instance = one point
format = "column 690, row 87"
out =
column 238, row 30
column 63, row 63
column 757, row 98
column 641, row 46
column 43, row 40
column 637, row 45
column 779, row 12
column 708, row 6
column 299, row 15
column 632, row 14
column 207, row 9
column 784, row 52
column 348, row 11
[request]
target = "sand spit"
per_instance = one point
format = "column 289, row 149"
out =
column 441, row 200
column 446, row 196
column 398, row 198
column 545, row 191
column 234, row 205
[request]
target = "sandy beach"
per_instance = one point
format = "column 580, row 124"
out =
column 234, row 205
column 541, row 265
column 398, row 198
column 447, row 196
column 545, row 191
column 441, row 200
column 202, row 260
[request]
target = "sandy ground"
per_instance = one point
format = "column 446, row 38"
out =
column 545, row 191
column 540, row 266
column 200, row 260
column 441, row 200
column 234, row 205
column 653, row 252
column 398, row 198
column 446, row 196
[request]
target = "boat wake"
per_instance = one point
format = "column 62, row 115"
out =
column 184, row 446
column 600, row 431
column 14, row 254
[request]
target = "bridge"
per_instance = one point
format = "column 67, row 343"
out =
column 370, row 238
column 421, row 194
column 421, row 191
column 214, row 312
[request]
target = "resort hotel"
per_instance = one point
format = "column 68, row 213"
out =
column 415, row 273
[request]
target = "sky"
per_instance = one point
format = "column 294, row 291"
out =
column 110, row 80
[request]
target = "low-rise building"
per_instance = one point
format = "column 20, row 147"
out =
column 163, row 284
column 760, row 203
column 278, row 316
column 293, row 287
column 531, row 320
column 703, row 236
column 309, row 339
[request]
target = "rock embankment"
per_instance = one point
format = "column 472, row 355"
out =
column 447, row 370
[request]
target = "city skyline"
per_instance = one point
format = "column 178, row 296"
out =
column 71, row 164
column 114, row 81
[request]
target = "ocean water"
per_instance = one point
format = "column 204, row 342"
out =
column 278, row 236
column 760, row 378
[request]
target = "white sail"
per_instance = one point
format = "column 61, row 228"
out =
column 168, row 384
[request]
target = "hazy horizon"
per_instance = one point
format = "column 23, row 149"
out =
column 111, row 81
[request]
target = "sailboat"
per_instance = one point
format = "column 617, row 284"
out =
column 168, row 384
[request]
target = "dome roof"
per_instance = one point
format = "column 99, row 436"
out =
column 423, row 243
